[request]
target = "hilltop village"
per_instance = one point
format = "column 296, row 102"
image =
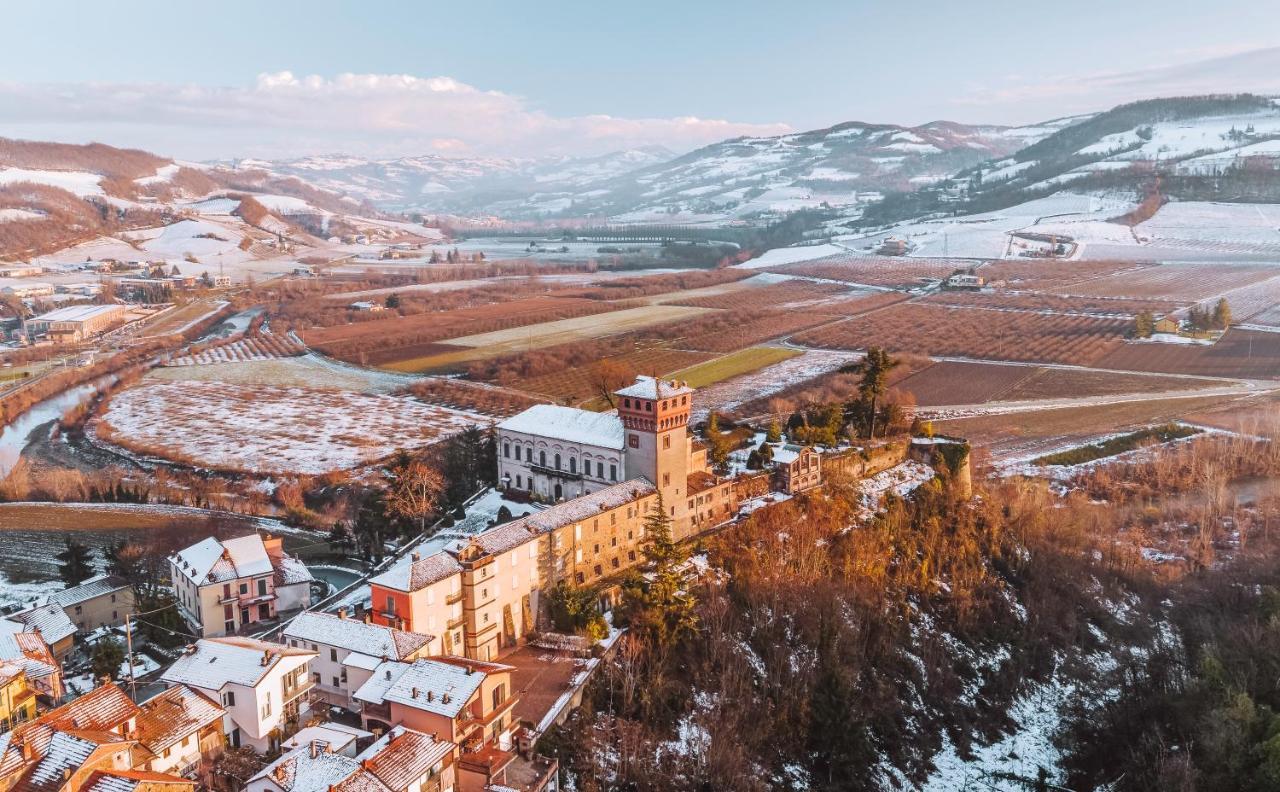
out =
column 451, row 665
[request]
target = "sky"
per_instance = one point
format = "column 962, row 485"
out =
column 284, row 78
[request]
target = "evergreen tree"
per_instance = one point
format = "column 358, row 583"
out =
column 874, row 368
column 373, row 524
column 717, row 444
column 833, row 736
column 666, row 611
column 774, row 435
column 392, row 302
column 73, row 562
column 108, row 655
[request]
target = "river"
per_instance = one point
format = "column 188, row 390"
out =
column 17, row 435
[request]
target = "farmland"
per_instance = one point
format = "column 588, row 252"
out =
column 979, row 334
column 260, row 347
column 773, row 295
column 735, row 363
column 184, row 317
column 271, row 430
column 1049, row 303
column 893, row 272
column 1050, row 275
column 1239, row 353
column 1178, row 282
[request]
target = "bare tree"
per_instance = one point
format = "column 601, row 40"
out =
column 414, row 490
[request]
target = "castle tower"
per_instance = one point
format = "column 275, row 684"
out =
column 655, row 420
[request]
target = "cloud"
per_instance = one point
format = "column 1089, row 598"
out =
column 284, row 115
column 1250, row 71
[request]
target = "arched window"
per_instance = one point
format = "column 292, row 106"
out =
column 573, row 464
column 557, row 461
column 506, row 450
column 528, row 453
column 542, row 458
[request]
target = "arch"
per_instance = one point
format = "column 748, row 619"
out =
column 559, row 491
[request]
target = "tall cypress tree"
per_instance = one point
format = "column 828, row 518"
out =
column 667, row 608
column 73, row 562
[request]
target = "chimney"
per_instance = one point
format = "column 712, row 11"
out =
column 66, row 774
column 388, row 673
column 342, row 613
column 315, row 748
column 445, row 698
column 266, row 657
column 416, row 555
column 414, row 693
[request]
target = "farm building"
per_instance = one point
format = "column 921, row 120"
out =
column 798, row 468
column 1168, row 324
column 75, row 324
column 26, row 290
column 20, row 271
column 100, row 601
column 965, row 280
column 364, row 305
column 893, row 247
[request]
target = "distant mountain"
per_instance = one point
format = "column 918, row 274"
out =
column 1204, row 147
column 743, row 178
column 465, row 185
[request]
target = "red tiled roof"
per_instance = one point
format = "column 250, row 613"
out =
column 407, row 757
column 172, row 715
column 102, row 709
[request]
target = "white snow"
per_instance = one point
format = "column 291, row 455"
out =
column 79, row 182
column 791, row 255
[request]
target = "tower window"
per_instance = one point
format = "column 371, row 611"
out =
column 666, row 441
column 666, row 479
column 633, row 441
column 626, row 402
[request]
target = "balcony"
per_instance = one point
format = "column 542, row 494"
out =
column 454, row 624
column 291, row 693
column 454, row 598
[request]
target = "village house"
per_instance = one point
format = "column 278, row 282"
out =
column 222, row 586
column 364, row 306
column 50, row 622
column 461, row 701
column 423, row 596
column 179, row 732
column 348, row 650
column 402, row 760
column 338, row 737
column 798, row 468
column 556, row 452
column 17, row 697
column 101, row 601
column 262, row 686
column 29, row 650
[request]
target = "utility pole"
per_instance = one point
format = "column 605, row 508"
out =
column 128, row 639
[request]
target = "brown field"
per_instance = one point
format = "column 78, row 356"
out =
column 1028, row 432
column 874, row 270
column 1258, row 303
column 1029, row 301
column 1050, row 383
column 577, row 384
column 864, row 302
column 113, row 517
column 1245, row 354
column 769, row 296
column 727, row 331
column 1044, row 274
column 1182, row 282
column 975, row 333
column 471, row 396
column 179, row 318
column 348, row 342
column 951, row 382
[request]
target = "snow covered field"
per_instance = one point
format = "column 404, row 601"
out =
column 273, row 429
column 77, row 182
column 726, row 395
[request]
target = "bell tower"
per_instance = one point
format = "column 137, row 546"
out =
column 655, row 420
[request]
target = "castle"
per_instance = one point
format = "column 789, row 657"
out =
column 606, row 474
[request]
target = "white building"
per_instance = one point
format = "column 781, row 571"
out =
column 558, row 453
column 221, row 586
column 262, row 686
column 348, row 650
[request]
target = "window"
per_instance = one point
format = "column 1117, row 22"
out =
column 666, row 479
column 333, row 655
column 266, row 705
column 506, row 450
column 633, row 441
column 229, row 698
column 528, row 453
column 648, row 406
column 598, row 570
column 631, row 555
column 626, row 402
column 262, row 587
column 336, row 683
column 579, row 577
column 666, row 441
column 78, row 610
column 499, row 695
column 229, row 627
column 557, row 461
column 613, row 472
column 391, row 604
column 484, row 593
column 542, row 458
column 573, row 464
column 599, row 470
column 244, row 588
column 226, row 591
column 113, row 597
column 315, row 677
column 615, row 563
column 486, row 618
column 519, row 483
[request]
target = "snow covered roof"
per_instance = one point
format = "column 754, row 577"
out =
column 212, row 561
column 78, row 313
column 28, row 649
column 402, row 756
column 51, row 621
column 214, row 662
column 362, row 661
column 786, row 454
column 290, row 571
column 172, row 715
column 569, row 424
column 335, row 735
column 102, row 709
column 650, row 388
column 306, row 770
column 507, row 536
column 91, row 588
column 64, row 752
column 418, row 574
column 432, row 686
column 355, row 635
column 130, row 780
